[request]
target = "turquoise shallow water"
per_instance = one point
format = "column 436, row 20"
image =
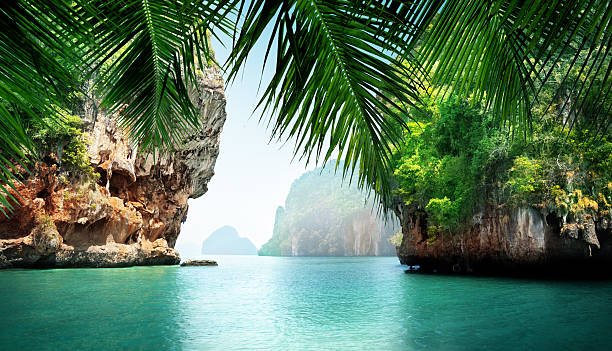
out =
column 297, row 304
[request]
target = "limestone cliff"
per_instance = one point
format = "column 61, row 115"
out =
column 509, row 241
column 474, row 197
column 132, row 214
column 325, row 216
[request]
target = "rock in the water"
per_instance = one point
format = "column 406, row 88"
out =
column 190, row 263
column 324, row 215
column 132, row 215
column 515, row 241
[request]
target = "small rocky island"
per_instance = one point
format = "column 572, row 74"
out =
column 226, row 241
column 472, row 201
column 196, row 263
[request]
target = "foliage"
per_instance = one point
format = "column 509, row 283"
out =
column 460, row 161
column 457, row 164
column 160, row 44
column 524, row 178
column 443, row 211
column 333, row 60
column 503, row 52
column 441, row 166
column 337, row 64
column 63, row 136
column 396, row 239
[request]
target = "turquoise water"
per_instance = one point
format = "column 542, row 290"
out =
column 296, row 304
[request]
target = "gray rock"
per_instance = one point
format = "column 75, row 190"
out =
column 46, row 238
column 194, row 263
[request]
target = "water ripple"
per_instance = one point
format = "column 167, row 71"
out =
column 263, row 303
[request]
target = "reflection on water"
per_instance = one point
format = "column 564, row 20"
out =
column 466, row 312
column 88, row 308
column 251, row 302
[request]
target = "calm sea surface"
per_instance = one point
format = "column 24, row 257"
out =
column 296, row 304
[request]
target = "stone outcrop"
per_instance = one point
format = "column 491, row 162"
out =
column 197, row 263
column 360, row 233
column 367, row 235
column 133, row 213
column 326, row 215
column 519, row 241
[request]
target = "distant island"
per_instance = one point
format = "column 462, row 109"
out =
column 324, row 215
column 226, row 241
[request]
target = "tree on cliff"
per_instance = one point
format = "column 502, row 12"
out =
column 340, row 65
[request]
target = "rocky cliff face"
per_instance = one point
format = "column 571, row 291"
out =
column 359, row 234
column 366, row 235
column 132, row 215
column 509, row 241
column 325, row 216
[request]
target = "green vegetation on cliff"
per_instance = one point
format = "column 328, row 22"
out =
column 58, row 137
column 63, row 138
column 456, row 161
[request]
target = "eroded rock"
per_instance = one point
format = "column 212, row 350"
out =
column 191, row 263
column 508, row 241
column 132, row 215
column 45, row 237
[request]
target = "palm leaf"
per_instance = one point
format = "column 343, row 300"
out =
column 148, row 52
column 338, row 78
column 505, row 51
column 32, row 79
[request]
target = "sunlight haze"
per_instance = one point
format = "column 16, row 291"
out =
column 252, row 175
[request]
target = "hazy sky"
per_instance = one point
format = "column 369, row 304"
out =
column 252, row 176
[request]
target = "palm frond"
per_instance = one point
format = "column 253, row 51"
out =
column 142, row 55
column 505, row 51
column 31, row 80
column 148, row 52
column 338, row 76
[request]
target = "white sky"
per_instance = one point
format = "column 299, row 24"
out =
column 252, row 177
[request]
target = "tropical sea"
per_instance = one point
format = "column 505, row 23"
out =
column 308, row 303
